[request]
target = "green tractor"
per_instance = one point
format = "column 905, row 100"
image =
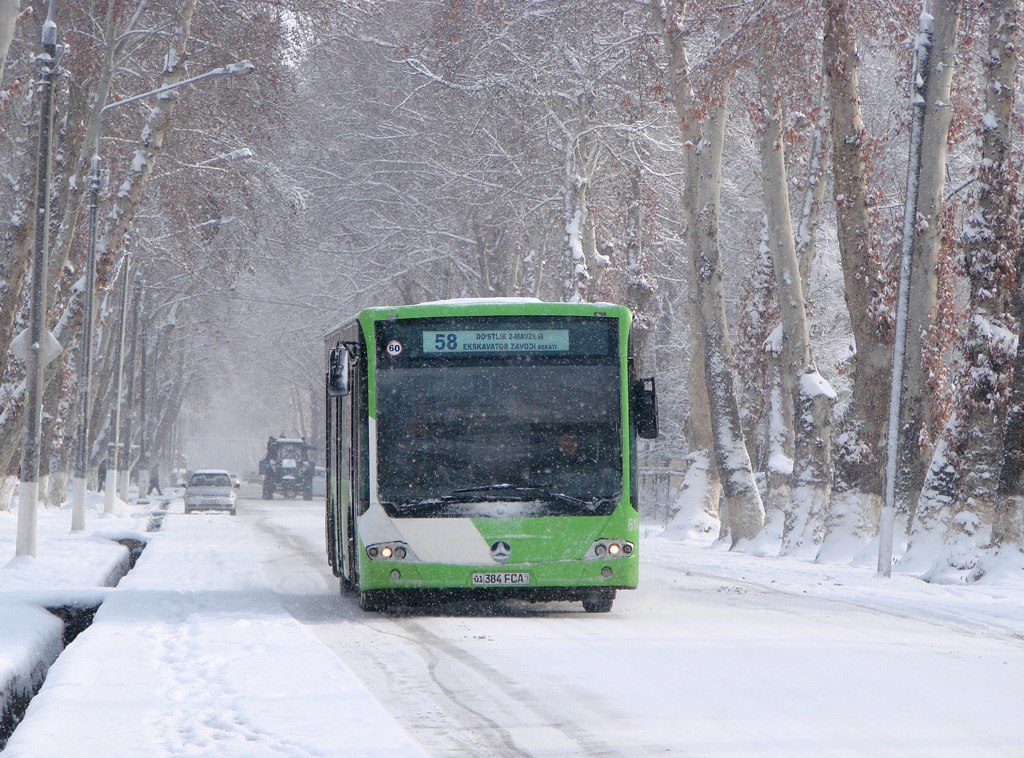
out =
column 287, row 468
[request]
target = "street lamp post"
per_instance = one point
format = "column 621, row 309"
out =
column 84, row 403
column 143, row 419
column 36, row 345
column 85, row 363
column 126, row 470
column 113, row 459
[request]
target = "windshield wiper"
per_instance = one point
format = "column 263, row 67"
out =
column 540, row 492
column 446, row 504
column 490, row 493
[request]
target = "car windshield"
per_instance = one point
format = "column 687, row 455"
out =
column 209, row 480
column 291, row 451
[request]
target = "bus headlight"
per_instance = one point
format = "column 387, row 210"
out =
column 605, row 548
column 388, row 551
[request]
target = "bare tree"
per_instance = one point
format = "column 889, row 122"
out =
column 920, row 393
column 859, row 452
column 973, row 479
column 703, row 130
column 807, row 397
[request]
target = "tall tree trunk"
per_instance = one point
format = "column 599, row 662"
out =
column 742, row 512
column 917, row 414
column 697, row 424
column 990, row 253
column 814, row 193
column 755, row 357
column 580, row 242
column 640, row 286
column 989, row 352
column 859, row 463
column 808, row 412
column 18, row 240
column 1008, row 527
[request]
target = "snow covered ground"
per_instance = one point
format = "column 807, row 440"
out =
column 195, row 653
column 230, row 638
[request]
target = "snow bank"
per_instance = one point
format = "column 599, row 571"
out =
column 71, row 569
column 197, row 652
column 30, row 640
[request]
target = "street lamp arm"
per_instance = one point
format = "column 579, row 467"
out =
column 83, row 448
column 232, row 69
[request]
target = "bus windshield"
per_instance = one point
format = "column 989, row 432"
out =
column 540, row 438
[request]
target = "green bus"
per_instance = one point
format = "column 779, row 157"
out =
column 484, row 449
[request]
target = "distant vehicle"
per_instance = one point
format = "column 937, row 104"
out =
column 287, row 468
column 485, row 449
column 210, row 490
column 235, row 481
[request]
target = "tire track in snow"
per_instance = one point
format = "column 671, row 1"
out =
column 453, row 712
column 494, row 690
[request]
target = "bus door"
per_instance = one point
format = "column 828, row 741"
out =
column 357, row 458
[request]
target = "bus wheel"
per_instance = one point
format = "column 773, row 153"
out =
column 599, row 602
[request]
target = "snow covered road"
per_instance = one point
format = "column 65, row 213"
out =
column 230, row 638
column 716, row 654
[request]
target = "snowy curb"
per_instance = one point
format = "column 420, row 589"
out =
column 31, row 637
column 30, row 641
column 45, row 598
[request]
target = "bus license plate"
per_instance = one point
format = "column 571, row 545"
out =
column 501, row 578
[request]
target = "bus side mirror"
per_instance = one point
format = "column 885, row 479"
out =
column 645, row 408
column 338, row 373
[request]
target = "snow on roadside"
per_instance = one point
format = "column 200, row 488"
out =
column 196, row 652
column 995, row 605
column 70, row 569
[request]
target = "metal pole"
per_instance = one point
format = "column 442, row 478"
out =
column 126, row 443
column 113, row 459
column 144, row 468
column 36, row 345
column 82, row 451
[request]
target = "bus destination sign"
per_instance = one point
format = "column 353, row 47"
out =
column 497, row 341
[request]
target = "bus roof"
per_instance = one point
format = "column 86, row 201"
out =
column 526, row 305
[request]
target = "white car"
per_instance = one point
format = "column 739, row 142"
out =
column 210, row 490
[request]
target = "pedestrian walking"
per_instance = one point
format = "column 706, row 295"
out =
column 101, row 473
column 154, row 481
